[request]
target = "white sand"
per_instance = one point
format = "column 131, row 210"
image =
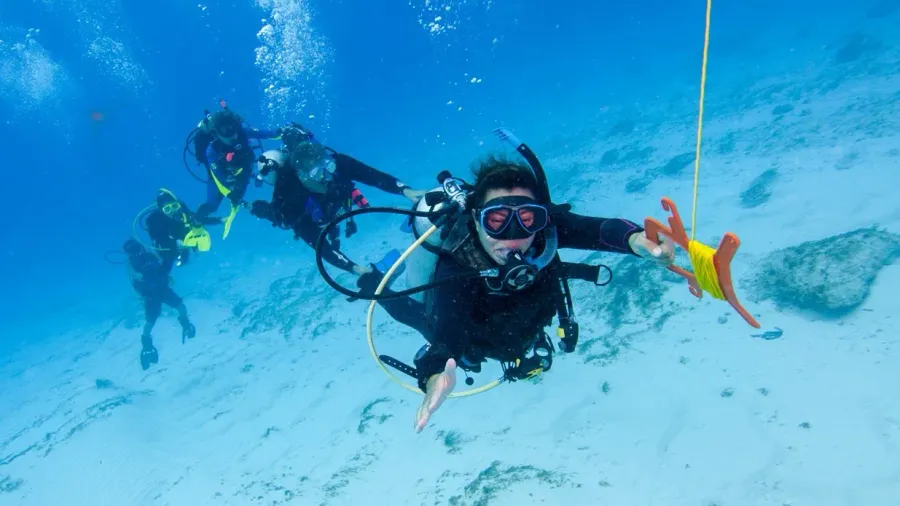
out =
column 812, row 418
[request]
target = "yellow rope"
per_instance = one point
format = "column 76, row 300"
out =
column 700, row 118
column 704, row 268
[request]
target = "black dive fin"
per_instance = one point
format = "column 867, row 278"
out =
column 400, row 366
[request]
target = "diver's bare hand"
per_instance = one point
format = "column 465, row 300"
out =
column 662, row 254
column 437, row 389
column 413, row 195
column 362, row 269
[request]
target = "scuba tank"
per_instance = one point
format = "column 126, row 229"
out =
column 421, row 262
column 267, row 166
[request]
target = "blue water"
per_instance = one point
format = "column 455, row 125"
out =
column 97, row 97
column 380, row 91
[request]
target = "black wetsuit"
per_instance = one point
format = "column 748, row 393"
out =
column 468, row 322
column 150, row 279
column 164, row 232
column 296, row 208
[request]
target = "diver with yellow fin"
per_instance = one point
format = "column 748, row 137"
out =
column 230, row 159
column 312, row 184
column 174, row 230
column 486, row 258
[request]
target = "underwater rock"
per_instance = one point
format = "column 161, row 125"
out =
column 103, row 384
column 636, row 293
column 830, row 278
column 637, row 155
column 847, row 161
column 856, row 47
column 489, row 483
column 727, row 144
column 760, row 190
column 8, row 484
column 638, row 184
column 453, row 440
column 624, row 127
column 677, row 164
column 782, row 109
column 610, row 157
column 292, row 302
column 368, row 415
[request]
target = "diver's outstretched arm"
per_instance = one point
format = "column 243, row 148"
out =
column 366, row 174
column 597, row 234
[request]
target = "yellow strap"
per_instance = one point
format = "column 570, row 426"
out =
column 222, row 188
column 700, row 118
column 704, row 268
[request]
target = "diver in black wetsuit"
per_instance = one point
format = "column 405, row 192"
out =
column 312, row 185
column 509, row 224
column 150, row 279
column 175, row 230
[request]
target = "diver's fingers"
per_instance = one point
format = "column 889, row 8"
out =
column 422, row 416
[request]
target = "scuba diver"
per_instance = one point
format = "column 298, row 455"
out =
column 150, row 279
column 493, row 279
column 313, row 185
column 174, row 230
column 229, row 158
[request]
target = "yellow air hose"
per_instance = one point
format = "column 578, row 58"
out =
column 371, row 312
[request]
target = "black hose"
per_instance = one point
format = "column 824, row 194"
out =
column 187, row 150
column 323, row 237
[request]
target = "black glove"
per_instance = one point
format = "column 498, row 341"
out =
column 261, row 209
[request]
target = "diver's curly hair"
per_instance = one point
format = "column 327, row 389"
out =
column 499, row 172
column 222, row 117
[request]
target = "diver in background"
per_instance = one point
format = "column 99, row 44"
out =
column 230, row 159
column 313, row 185
column 174, row 230
column 150, row 279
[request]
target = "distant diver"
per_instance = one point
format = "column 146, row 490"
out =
column 230, row 159
column 314, row 184
column 174, row 230
column 150, row 279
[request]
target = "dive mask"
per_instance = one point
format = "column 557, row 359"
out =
column 511, row 218
column 314, row 165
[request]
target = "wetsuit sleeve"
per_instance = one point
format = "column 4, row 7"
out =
column 360, row 172
column 309, row 232
column 597, row 234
